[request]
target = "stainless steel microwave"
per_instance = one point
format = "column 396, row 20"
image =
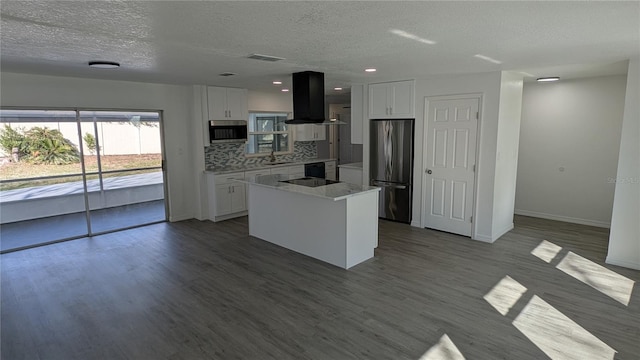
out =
column 227, row 131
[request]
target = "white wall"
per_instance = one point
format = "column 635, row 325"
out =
column 49, row 91
column 569, row 142
column 504, row 192
column 488, row 85
column 624, row 238
column 268, row 101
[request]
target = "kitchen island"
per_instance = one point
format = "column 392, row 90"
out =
column 336, row 223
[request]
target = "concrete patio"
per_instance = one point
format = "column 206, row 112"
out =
column 44, row 214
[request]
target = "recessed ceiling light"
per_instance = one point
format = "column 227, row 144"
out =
column 277, row 83
column 337, row 89
column 551, row 78
column 370, row 70
column 285, row 90
column 104, row 64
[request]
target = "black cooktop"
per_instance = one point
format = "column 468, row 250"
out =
column 310, row 181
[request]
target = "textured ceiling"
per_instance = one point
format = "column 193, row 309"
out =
column 184, row 42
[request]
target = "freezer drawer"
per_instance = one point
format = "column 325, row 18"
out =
column 395, row 201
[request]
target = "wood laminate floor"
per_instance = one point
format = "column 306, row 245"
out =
column 199, row 290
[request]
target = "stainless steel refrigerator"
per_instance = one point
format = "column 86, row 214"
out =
column 391, row 166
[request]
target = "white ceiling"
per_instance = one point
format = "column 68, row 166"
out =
column 185, row 42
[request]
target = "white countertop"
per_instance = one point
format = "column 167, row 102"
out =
column 248, row 167
column 335, row 192
column 357, row 166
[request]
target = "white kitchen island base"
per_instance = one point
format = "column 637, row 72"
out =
column 342, row 231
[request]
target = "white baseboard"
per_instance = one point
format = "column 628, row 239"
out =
column 415, row 224
column 498, row 234
column 494, row 237
column 483, row 238
column 179, row 217
column 623, row 263
column 568, row 219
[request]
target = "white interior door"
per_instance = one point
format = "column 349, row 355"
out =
column 450, row 154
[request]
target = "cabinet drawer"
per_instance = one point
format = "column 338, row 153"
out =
column 248, row 175
column 228, row 178
column 280, row 170
column 296, row 169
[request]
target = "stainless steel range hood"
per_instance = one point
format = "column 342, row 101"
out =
column 308, row 99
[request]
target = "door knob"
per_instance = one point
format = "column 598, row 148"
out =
column 429, row 171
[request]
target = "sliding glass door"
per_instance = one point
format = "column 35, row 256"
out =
column 41, row 189
column 69, row 174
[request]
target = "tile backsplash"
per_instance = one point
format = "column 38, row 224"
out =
column 232, row 154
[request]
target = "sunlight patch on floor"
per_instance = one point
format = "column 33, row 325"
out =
column 444, row 349
column 505, row 294
column 546, row 251
column 598, row 277
column 558, row 336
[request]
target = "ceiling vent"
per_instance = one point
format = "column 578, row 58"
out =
column 264, row 57
column 227, row 74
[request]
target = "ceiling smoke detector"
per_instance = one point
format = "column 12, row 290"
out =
column 264, row 57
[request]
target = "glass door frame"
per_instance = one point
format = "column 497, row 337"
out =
column 84, row 174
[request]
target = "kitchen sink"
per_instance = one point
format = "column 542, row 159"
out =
column 278, row 163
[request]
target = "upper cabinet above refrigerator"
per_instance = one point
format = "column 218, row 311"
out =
column 391, row 100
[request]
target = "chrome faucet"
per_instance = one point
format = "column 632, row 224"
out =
column 272, row 158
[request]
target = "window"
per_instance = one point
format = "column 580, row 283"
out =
column 268, row 132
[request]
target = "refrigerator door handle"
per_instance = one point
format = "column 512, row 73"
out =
column 378, row 183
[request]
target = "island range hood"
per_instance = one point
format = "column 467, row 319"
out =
column 308, row 97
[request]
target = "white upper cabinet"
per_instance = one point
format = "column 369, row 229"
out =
column 357, row 113
column 391, row 100
column 310, row 132
column 227, row 103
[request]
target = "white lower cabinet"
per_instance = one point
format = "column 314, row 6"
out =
column 330, row 170
column 227, row 198
column 296, row 171
column 351, row 175
column 230, row 198
column 280, row 170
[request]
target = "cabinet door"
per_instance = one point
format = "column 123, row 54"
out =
column 378, row 106
column 319, row 132
column 237, row 104
column 357, row 113
column 296, row 171
column 351, row 176
column 401, row 94
column 304, row 133
column 238, row 198
column 223, row 199
column 217, row 103
column 280, row 171
column 330, row 170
